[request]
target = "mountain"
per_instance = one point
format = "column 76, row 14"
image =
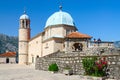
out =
column 8, row 43
column 117, row 44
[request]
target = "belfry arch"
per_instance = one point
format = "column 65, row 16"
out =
column 77, row 46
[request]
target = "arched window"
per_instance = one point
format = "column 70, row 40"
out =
column 22, row 23
column 27, row 22
column 77, row 46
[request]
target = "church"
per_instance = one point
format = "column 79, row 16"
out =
column 60, row 34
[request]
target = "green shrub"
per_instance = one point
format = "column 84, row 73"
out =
column 88, row 64
column 53, row 67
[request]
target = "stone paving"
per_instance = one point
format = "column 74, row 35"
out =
column 23, row 72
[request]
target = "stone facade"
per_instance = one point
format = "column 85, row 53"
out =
column 74, row 61
column 48, row 41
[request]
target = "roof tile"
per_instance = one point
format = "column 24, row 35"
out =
column 8, row 54
column 77, row 35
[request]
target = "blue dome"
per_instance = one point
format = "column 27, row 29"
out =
column 24, row 16
column 60, row 17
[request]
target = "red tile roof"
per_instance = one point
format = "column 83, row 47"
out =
column 8, row 54
column 77, row 35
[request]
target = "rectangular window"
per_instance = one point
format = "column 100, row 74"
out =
column 67, row 43
column 46, row 46
column 32, row 59
column 67, row 32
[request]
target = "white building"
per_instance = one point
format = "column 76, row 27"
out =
column 8, row 57
column 60, row 34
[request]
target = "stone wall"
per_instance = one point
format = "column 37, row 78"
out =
column 74, row 60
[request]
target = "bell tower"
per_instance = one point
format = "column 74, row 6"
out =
column 24, row 37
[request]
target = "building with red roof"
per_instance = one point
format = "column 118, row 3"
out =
column 8, row 57
column 78, row 35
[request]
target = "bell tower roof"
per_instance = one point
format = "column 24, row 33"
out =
column 24, row 16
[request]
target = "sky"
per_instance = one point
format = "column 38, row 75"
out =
column 97, row 18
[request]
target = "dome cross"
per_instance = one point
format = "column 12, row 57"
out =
column 60, row 7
